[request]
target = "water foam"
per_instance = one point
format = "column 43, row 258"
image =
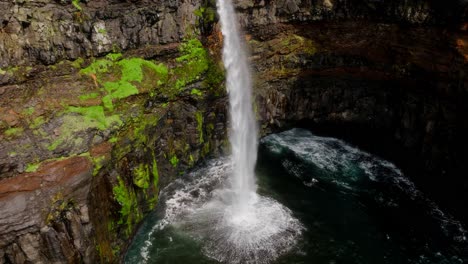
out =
column 259, row 234
column 200, row 205
column 337, row 156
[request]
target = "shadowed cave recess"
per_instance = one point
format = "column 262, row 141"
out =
column 104, row 103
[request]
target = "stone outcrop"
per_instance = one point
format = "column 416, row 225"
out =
column 60, row 188
column 48, row 31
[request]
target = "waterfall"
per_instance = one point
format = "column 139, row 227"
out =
column 243, row 135
column 232, row 222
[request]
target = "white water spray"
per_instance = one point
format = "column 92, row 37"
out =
column 243, row 136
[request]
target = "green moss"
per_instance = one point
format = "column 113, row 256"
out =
column 54, row 144
column 85, row 97
column 154, row 169
column 196, row 92
column 120, row 90
column 97, row 66
column 14, row 131
column 206, row 149
column 77, row 63
column 193, row 63
column 123, row 197
column 31, row 167
column 132, row 69
column 174, row 161
column 131, row 73
column 140, row 125
column 210, row 127
column 79, row 119
column 191, row 160
column 206, row 15
column 116, row 250
column 199, row 118
column 28, row 111
column 141, row 176
column 98, row 164
column 129, row 214
column 117, row 90
column 214, row 77
column 59, row 206
column 76, row 4
column 108, row 103
column 94, row 116
column 114, row 56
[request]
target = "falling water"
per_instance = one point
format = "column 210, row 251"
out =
column 243, row 136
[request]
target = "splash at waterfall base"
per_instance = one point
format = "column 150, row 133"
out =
column 260, row 233
column 201, row 207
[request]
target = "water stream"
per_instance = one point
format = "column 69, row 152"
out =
column 243, row 134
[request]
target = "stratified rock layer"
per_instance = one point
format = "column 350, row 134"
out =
column 80, row 168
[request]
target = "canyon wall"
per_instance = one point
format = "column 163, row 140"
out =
column 389, row 77
column 104, row 102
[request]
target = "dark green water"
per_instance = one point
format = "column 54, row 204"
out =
column 355, row 208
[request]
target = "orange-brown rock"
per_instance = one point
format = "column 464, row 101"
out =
column 25, row 201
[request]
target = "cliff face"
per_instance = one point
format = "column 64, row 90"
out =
column 390, row 77
column 102, row 103
column 87, row 141
column 47, row 31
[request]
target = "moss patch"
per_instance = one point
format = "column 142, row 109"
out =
column 76, row 4
column 14, row 132
column 131, row 71
column 141, row 176
column 129, row 213
column 193, row 63
column 174, row 161
column 199, row 118
column 94, row 117
column 85, row 97
column 32, row 167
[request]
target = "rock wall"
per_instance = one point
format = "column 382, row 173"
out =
column 87, row 140
column 48, row 31
column 103, row 103
column 388, row 80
